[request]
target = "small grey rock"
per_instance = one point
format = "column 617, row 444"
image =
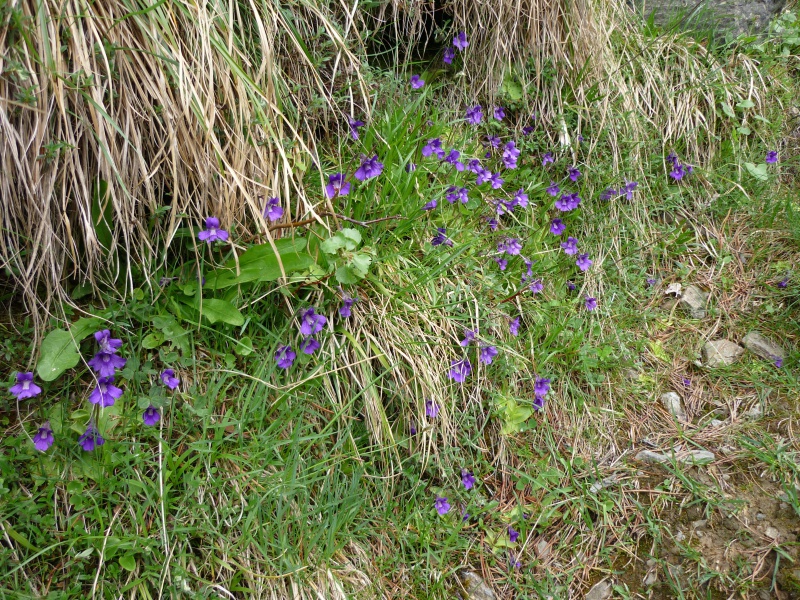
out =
column 650, row 578
column 762, row 346
column 650, row 457
column 720, row 353
column 694, row 301
column 755, row 413
column 701, row 524
column 475, row 587
column 680, row 536
column 600, row 591
column 602, row 484
column 761, row 517
column 543, row 549
column 772, row 533
column 672, row 402
column 716, row 423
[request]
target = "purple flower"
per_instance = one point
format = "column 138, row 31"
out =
column 354, row 126
column 106, row 342
column 528, row 129
column 571, row 286
column 434, row 146
column 520, row 199
column 25, row 388
column 416, row 82
column 496, row 181
column 441, row 505
column 474, row 115
column 212, row 232
column 441, row 239
column 570, row 246
column 629, row 189
column 460, row 41
column 168, row 378
column 285, row 356
column 449, row 55
column 677, row 172
column 514, row 562
column 411, row 167
column 536, row 286
column 513, row 326
column 511, row 246
column 553, row 190
column 499, row 113
column 591, row 303
column 501, row 262
column 568, row 202
column 510, row 156
column 547, row 159
column 452, row 158
column 778, row 361
column 482, row 175
column 431, row 409
column 557, row 227
column 608, row 194
column 106, row 393
column 309, row 346
column 513, row 534
column 460, row 370
column 469, row 337
column 468, row 479
column 345, row 309
column 672, row 158
column 487, row 354
column 493, row 225
column 650, row 282
column 574, row 173
column 412, row 429
column 337, row 186
column 273, row 210
column 91, row 438
column 151, row 416
column 541, row 386
column 43, row 438
column 370, row 167
column 105, row 363
column 474, row 165
column 310, row 322
column 772, row 157
column 493, row 140
column 430, row 205
column 583, row 262
column 783, row 282
column 687, row 382
column 538, row 403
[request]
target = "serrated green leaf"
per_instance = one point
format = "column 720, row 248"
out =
column 360, row 264
column 216, row 310
column 346, row 275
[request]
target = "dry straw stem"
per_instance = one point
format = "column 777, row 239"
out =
column 192, row 108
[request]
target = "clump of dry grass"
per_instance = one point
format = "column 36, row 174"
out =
column 124, row 121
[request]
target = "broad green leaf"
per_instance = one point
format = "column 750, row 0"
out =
column 127, row 562
column 757, row 171
column 744, row 130
column 216, row 310
column 59, row 350
column 333, row 244
column 153, row 340
column 728, row 110
column 260, row 263
column 244, row 347
column 745, row 104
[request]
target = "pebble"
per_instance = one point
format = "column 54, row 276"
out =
column 600, row 591
column 772, row 533
column 672, row 402
column 761, row 516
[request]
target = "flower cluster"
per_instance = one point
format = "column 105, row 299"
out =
column 679, row 169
